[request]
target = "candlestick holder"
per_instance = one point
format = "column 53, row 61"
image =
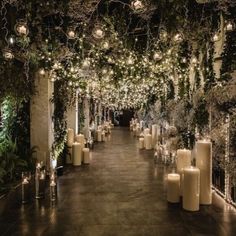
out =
column 53, row 186
column 53, row 191
column 40, row 177
column 25, row 187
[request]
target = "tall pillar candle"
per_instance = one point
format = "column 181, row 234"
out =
column 86, row 155
column 154, row 135
column 204, row 163
column 141, row 143
column 77, row 154
column 80, row 139
column 99, row 135
column 173, row 187
column 70, row 137
column 148, row 142
column 191, row 188
column 183, row 160
column 145, row 133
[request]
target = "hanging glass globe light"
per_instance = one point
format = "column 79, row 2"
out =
column 215, row 37
column 229, row 26
column 130, row 61
column 21, row 28
column 7, row 54
column 104, row 71
column 163, row 35
column 178, row 38
column 137, row 5
column 157, row 56
column 98, row 32
column 71, row 34
column 105, row 45
column 86, row 64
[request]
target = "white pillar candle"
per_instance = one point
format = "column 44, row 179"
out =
column 86, row 155
column 141, row 143
column 99, row 135
column 131, row 127
column 146, row 131
column 138, row 130
column 103, row 136
column 70, row 137
column 191, row 188
column 173, row 187
column 183, row 160
column 204, row 163
column 154, row 135
column 109, row 129
column 148, row 142
column 77, row 154
column 80, row 139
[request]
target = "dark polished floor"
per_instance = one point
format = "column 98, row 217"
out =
column 122, row 193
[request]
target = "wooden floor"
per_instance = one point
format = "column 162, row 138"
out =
column 122, row 192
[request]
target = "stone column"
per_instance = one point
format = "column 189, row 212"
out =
column 41, row 112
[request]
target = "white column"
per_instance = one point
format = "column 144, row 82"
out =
column 154, row 135
column 204, row 163
column 86, row 117
column 72, row 116
column 41, row 112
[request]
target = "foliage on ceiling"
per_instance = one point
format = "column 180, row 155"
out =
column 120, row 51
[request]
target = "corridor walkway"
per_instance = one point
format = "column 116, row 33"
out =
column 122, row 192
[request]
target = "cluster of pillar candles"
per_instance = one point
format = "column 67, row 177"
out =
column 78, row 146
column 40, row 184
column 192, row 183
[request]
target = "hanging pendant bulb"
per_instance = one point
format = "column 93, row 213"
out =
column 194, row 60
column 42, row 71
column 11, row 40
column 184, row 60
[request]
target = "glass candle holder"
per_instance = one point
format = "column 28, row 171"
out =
column 40, row 178
column 25, row 187
column 53, row 190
